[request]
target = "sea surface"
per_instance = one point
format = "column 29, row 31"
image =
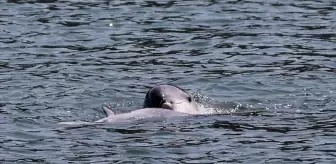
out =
column 267, row 67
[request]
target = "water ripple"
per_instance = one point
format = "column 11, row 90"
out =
column 267, row 67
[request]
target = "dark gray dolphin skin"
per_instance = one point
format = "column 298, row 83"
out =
column 171, row 97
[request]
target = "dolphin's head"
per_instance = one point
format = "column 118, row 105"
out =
column 171, row 97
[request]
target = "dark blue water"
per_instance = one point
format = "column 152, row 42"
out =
column 268, row 66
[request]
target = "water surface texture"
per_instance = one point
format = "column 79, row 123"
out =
column 271, row 65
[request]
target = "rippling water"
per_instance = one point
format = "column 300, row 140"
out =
column 271, row 65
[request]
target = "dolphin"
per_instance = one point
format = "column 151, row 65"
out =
column 161, row 101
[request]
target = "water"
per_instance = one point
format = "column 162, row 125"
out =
column 269, row 66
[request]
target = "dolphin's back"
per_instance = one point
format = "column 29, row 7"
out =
column 142, row 114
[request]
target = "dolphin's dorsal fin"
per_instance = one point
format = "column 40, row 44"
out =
column 108, row 110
